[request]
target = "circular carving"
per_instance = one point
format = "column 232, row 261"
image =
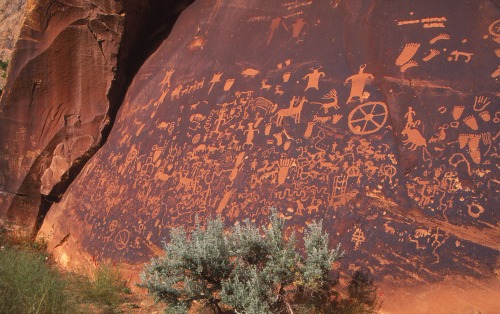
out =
column 495, row 28
column 113, row 225
column 122, row 238
column 478, row 210
column 196, row 138
column 368, row 118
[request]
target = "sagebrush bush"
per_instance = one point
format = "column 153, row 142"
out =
column 248, row 270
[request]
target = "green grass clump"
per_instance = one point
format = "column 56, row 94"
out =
column 29, row 285
column 106, row 288
column 3, row 67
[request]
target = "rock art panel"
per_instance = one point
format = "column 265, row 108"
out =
column 363, row 114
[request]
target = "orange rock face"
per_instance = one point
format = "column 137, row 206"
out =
column 55, row 99
column 72, row 65
column 379, row 118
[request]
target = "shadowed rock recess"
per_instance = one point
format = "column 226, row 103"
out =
column 72, row 66
column 379, row 117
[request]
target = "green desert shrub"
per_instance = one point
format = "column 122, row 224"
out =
column 248, row 269
column 28, row 284
column 3, row 68
column 105, row 289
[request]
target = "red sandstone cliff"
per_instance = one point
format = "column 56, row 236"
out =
column 379, row 118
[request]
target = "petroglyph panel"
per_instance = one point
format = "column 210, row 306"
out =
column 363, row 114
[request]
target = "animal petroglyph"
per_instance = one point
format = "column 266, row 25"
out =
column 332, row 95
column 291, row 111
column 250, row 72
column 456, row 54
column 413, row 138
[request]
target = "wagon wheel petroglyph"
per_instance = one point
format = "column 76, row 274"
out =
column 368, row 118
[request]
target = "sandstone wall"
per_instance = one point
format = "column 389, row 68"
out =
column 11, row 18
column 55, row 99
column 379, row 118
column 72, row 66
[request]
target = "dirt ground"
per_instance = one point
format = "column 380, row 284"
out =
column 453, row 295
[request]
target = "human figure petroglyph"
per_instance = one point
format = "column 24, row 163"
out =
column 167, row 78
column 250, row 132
column 221, row 119
column 388, row 172
column 358, row 82
column 313, row 79
column 413, row 137
column 291, row 111
column 129, row 160
column 410, row 115
column 358, row 237
column 438, row 240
